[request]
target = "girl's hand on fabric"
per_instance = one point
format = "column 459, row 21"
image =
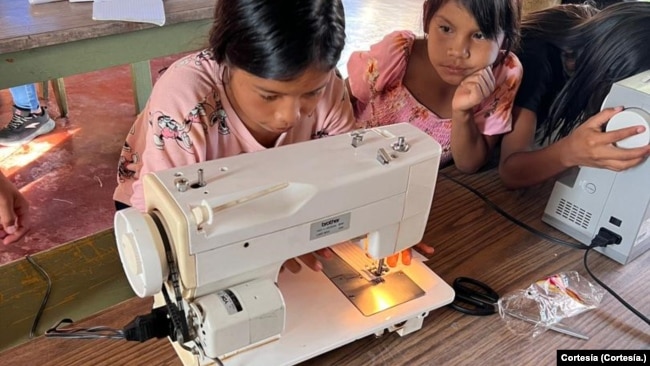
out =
column 14, row 209
column 406, row 254
column 309, row 259
column 589, row 146
column 473, row 90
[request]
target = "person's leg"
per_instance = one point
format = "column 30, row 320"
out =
column 25, row 97
column 29, row 119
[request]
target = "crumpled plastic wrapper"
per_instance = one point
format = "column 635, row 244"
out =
column 548, row 301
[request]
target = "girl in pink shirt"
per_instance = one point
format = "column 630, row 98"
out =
column 267, row 79
column 457, row 83
column 264, row 81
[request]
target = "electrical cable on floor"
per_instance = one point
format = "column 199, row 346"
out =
column 552, row 239
column 46, row 297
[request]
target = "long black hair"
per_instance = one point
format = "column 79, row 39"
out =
column 553, row 24
column 492, row 17
column 611, row 46
column 278, row 39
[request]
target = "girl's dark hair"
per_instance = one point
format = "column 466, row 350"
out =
column 492, row 17
column 278, row 39
column 553, row 24
column 611, row 46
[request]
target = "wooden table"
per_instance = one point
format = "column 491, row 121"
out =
column 470, row 240
column 49, row 41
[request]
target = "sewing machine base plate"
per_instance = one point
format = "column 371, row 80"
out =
column 369, row 297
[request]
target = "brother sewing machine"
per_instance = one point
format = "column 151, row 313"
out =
column 591, row 201
column 215, row 235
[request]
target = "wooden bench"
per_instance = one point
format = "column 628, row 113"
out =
column 49, row 41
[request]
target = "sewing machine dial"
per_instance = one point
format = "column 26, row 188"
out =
column 629, row 118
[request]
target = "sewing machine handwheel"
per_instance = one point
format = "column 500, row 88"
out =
column 141, row 251
column 629, row 118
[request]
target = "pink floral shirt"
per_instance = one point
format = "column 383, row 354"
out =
column 188, row 120
column 375, row 78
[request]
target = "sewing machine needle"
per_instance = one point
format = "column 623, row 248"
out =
column 380, row 267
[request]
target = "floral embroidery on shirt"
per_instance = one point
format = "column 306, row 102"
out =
column 418, row 112
column 372, row 74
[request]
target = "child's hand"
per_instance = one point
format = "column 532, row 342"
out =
column 473, row 90
column 14, row 213
column 589, row 146
column 308, row 259
column 391, row 261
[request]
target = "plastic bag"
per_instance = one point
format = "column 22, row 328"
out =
column 548, row 301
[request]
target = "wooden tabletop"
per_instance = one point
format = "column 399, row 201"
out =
column 24, row 26
column 470, row 240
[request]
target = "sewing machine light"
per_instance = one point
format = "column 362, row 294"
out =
column 139, row 247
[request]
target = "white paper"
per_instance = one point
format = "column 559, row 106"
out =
column 146, row 11
column 42, row 1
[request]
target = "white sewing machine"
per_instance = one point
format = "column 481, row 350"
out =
column 229, row 225
column 588, row 200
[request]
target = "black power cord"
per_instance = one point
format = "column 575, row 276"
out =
column 602, row 239
column 156, row 324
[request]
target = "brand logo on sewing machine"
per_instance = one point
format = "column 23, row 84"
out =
column 329, row 222
column 329, row 226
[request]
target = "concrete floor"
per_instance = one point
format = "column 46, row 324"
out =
column 68, row 176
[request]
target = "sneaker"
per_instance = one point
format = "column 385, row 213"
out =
column 25, row 126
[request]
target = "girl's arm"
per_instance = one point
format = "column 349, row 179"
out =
column 470, row 148
column 586, row 146
column 518, row 165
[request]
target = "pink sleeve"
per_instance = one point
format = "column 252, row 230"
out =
column 383, row 66
column 171, row 136
column 494, row 116
column 336, row 108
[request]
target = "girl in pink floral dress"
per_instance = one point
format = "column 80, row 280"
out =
column 457, row 83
